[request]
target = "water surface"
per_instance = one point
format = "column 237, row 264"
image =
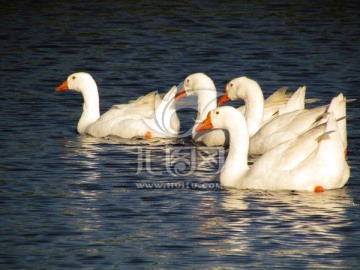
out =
column 68, row 201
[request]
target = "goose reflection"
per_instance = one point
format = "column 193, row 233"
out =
column 286, row 224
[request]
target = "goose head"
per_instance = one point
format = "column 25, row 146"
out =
column 79, row 81
column 239, row 88
column 222, row 117
column 197, row 84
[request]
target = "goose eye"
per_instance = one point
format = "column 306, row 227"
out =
column 217, row 112
column 73, row 77
column 231, row 85
column 187, row 80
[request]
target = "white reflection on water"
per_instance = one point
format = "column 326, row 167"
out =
column 287, row 225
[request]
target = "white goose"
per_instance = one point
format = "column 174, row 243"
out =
column 149, row 116
column 285, row 126
column 276, row 104
column 202, row 86
column 258, row 111
column 309, row 162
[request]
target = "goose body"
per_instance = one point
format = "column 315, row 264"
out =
column 276, row 104
column 289, row 123
column 256, row 110
column 149, row 116
column 313, row 161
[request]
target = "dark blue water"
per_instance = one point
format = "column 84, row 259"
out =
column 68, row 201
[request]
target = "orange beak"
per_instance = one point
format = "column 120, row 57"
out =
column 181, row 94
column 62, row 87
column 225, row 98
column 206, row 124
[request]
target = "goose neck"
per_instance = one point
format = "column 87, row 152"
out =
column 254, row 102
column 236, row 163
column 206, row 102
column 91, row 109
